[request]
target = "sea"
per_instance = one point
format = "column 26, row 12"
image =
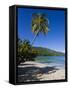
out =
column 57, row 61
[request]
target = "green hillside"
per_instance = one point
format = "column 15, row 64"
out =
column 47, row 52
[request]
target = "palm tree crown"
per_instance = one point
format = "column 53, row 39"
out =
column 40, row 24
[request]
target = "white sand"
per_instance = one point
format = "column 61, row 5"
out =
column 59, row 74
column 50, row 74
column 32, row 63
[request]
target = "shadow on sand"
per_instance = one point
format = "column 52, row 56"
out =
column 30, row 73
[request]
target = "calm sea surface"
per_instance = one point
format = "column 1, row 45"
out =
column 58, row 61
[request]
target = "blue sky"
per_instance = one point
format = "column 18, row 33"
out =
column 55, row 39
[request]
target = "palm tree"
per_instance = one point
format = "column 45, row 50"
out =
column 40, row 24
column 25, row 51
column 26, row 46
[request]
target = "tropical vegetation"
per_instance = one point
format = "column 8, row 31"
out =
column 25, row 51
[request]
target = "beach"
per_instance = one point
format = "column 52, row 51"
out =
column 35, row 71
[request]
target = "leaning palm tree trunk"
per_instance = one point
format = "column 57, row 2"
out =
column 35, row 37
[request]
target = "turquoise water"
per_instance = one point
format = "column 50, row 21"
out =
column 58, row 61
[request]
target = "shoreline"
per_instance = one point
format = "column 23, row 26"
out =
column 34, row 71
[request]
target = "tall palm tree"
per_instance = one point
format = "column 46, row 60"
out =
column 40, row 24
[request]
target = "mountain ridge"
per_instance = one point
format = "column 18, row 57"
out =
column 48, row 52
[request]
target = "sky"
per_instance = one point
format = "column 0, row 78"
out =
column 55, row 38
